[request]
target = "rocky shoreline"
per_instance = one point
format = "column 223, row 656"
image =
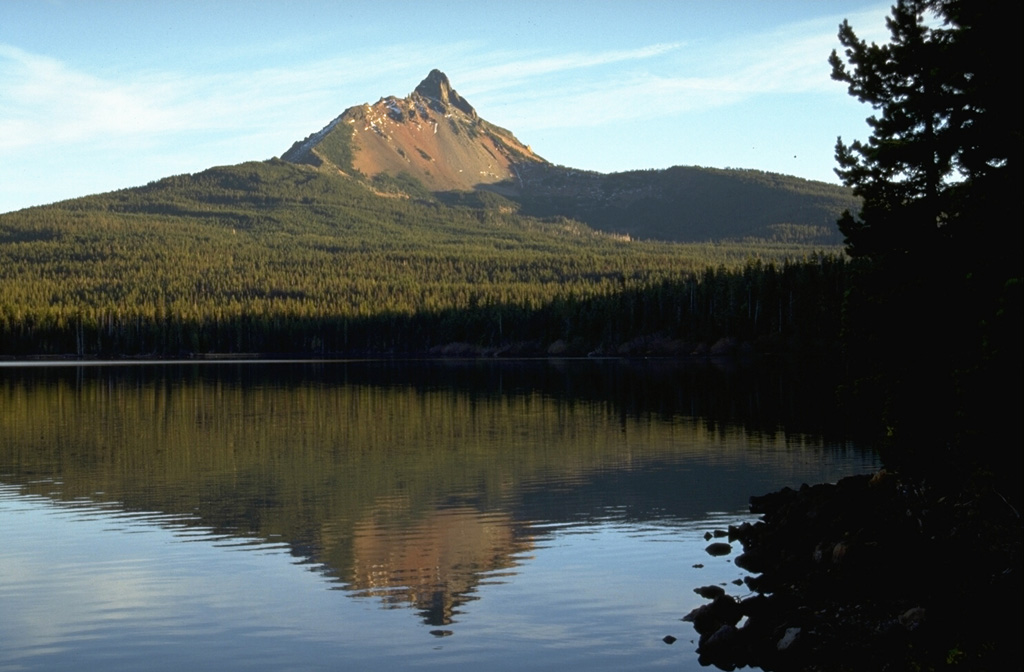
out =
column 875, row 572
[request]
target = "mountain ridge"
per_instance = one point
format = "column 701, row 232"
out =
column 434, row 140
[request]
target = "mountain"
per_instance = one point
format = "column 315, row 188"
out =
column 434, row 141
column 433, row 135
column 367, row 238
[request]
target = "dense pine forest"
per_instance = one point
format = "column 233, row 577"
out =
column 277, row 258
column 690, row 203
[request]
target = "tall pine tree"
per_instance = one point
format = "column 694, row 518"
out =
column 943, row 163
column 933, row 325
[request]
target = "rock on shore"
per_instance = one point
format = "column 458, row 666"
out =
column 875, row 572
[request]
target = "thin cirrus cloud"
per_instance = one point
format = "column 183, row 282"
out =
column 676, row 79
column 515, row 70
column 44, row 99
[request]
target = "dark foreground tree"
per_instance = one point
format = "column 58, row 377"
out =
column 943, row 163
column 917, row 568
column 933, row 324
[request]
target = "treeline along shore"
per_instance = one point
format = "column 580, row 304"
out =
column 757, row 308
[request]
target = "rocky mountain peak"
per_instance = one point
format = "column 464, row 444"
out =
column 436, row 87
column 433, row 135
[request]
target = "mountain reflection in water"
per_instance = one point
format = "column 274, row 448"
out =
column 434, row 563
column 412, row 484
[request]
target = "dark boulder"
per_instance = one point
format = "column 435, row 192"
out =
column 719, row 548
column 873, row 572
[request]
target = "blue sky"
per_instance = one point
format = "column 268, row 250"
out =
column 96, row 96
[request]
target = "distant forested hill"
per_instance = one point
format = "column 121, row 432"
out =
column 690, row 204
column 279, row 257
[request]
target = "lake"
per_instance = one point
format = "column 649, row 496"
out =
column 378, row 515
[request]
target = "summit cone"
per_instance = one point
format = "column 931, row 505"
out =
column 433, row 135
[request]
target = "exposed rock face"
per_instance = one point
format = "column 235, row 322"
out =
column 433, row 135
column 437, row 89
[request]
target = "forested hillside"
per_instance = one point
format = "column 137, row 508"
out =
column 691, row 204
column 274, row 257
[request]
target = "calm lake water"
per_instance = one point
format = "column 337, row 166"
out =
column 381, row 516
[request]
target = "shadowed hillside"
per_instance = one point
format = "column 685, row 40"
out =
column 691, row 203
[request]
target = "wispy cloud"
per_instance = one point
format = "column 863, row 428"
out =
column 515, row 69
column 662, row 80
column 44, row 100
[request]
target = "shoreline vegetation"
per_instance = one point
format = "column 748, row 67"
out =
column 761, row 306
column 657, row 347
